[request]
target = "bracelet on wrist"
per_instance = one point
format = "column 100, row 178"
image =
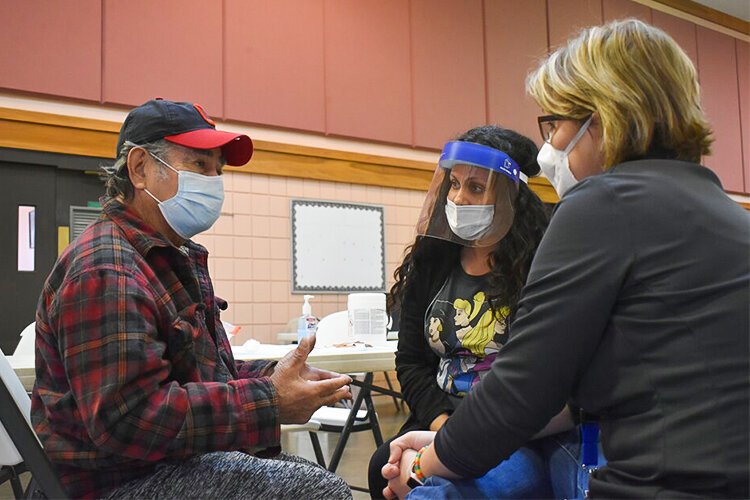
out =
column 416, row 467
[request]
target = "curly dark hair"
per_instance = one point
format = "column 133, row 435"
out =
column 511, row 258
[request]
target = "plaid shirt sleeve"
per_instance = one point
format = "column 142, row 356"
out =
column 256, row 368
column 107, row 324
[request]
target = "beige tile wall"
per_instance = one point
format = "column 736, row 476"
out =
column 250, row 246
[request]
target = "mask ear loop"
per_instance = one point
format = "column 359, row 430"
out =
column 166, row 165
column 152, row 196
column 578, row 136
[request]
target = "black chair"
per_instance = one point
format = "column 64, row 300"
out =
column 19, row 439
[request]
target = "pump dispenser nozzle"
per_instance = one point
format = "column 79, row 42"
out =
column 306, row 307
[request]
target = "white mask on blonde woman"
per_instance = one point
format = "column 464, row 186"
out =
column 555, row 163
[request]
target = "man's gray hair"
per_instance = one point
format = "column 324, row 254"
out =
column 117, row 178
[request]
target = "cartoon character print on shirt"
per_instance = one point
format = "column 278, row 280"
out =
column 475, row 335
column 500, row 334
column 435, row 328
column 469, row 346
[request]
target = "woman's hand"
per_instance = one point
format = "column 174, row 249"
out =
column 410, row 441
column 398, row 475
column 398, row 468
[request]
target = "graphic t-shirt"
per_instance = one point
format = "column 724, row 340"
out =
column 462, row 329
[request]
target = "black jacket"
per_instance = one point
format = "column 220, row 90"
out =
column 636, row 306
column 416, row 362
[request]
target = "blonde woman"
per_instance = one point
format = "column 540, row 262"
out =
column 636, row 305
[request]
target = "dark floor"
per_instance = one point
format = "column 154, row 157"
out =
column 353, row 466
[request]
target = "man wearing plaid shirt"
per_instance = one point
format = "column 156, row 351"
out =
column 137, row 393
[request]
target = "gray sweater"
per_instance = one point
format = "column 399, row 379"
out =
column 637, row 308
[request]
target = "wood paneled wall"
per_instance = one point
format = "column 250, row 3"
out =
column 36, row 131
column 413, row 72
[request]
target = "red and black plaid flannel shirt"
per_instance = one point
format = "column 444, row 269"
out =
column 133, row 367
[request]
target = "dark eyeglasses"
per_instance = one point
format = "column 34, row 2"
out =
column 547, row 125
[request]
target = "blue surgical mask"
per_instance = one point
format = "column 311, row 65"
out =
column 469, row 222
column 197, row 204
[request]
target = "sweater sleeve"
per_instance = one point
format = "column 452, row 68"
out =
column 572, row 287
column 416, row 363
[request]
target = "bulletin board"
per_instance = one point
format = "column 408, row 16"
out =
column 337, row 247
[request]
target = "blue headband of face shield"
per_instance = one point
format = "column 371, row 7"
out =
column 469, row 153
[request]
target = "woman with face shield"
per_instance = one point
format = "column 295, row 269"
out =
column 458, row 288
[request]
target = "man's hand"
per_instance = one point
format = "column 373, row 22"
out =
column 302, row 389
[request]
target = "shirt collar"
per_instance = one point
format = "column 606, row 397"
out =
column 142, row 236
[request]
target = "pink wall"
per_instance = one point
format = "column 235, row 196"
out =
column 566, row 17
column 144, row 57
column 367, row 70
column 414, row 72
column 516, row 39
column 448, row 70
column 619, row 9
column 717, row 63
column 743, row 73
column 275, row 76
column 52, row 48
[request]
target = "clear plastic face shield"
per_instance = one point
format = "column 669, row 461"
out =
column 472, row 195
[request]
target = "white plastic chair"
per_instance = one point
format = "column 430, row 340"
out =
column 332, row 329
column 334, row 419
column 26, row 346
column 10, row 460
column 311, row 427
column 22, row 452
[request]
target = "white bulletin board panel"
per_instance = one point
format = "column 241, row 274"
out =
column 337, row 247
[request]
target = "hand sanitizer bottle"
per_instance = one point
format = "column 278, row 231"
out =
column 307, row 323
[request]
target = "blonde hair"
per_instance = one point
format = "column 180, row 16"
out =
column 638, row 80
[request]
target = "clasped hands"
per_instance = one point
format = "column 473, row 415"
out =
column 302, row 389
column 400, row 461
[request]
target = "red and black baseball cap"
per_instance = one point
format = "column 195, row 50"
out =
column 183, row 123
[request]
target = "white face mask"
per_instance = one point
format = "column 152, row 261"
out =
column 555, row 163
column 469, row 222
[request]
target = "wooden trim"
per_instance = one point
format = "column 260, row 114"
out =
column 708, row 14
column 329, row 169
column 543, row 189
column 50, row 133
column 341, row 155
column 35, row 131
